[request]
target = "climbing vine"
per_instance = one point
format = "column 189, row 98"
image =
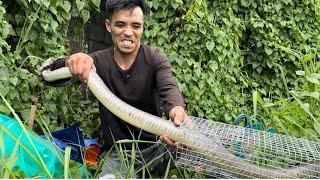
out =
column 32, row 31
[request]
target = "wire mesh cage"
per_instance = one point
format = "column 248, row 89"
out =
column 228, row 151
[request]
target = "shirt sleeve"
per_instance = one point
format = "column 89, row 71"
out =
column 167, row 87
column 57, row 64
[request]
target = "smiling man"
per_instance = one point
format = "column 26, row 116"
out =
column 136, row 73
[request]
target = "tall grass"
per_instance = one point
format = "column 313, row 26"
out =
column 298, row 113
column 7, row 164
column 128, row 161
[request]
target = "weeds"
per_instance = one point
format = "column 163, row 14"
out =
column 298, row 114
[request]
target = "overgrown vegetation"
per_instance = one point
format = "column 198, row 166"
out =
column 223, row 50
column 220, row 51
column 32, row 31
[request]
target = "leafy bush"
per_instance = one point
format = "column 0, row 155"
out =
column 222, row 51
column 32, row 31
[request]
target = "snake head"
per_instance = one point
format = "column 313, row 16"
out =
column 52, row 64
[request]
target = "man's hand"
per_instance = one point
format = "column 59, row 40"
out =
column 80, row 65
column 177, row 115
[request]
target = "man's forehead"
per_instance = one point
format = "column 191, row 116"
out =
column 135, row 13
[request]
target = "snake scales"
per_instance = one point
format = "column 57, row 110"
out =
column 214, row 151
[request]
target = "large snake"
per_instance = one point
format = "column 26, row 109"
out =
column 209, row 148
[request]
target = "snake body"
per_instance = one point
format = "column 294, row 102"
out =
column 213, row 151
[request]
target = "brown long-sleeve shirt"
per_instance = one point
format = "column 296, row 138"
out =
column 147, row 80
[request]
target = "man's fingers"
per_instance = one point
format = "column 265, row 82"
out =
column 177, row 144
column 68, row 64
column 80, row 69
column 178, row 118
column 80, row 65
column 167, row 140
column 74, row 66
column 177, row 115
column 86, row 70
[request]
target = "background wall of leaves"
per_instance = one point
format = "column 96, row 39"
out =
column 220, row 52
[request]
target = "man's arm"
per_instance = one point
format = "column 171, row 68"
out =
column 166, row 85
column 170, row 93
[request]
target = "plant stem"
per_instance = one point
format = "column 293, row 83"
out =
column 24, row 34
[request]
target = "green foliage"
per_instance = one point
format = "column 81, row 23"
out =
column 205, row 55
column 298, row 114
column 292, row 24
column 220, row 51
column 32, row 31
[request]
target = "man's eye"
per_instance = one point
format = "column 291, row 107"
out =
column 120, row 25
column 136, row 26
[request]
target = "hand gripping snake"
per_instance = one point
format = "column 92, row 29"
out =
column 217, row 153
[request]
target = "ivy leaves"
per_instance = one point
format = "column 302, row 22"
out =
column 204, row 56
column 30, row 32
column 219, row 49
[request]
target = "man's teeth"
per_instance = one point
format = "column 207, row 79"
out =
column 127, row 41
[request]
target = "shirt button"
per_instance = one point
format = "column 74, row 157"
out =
column 128, row 75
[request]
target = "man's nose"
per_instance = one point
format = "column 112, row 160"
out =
column 128, row 31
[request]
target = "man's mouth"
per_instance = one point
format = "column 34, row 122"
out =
column 127, row 42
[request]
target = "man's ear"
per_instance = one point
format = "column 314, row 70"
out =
column 108, row 25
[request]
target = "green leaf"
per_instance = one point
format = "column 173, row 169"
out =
column 14, row 80
column 25, row 3
column 307, row 57
column 4, row 89
column 37, row 1
column 66, row 6
column 268, row 50
column 198, row 72
column 67, row 153
column 315, row 95
column 85, row 15
column 46, row 3
column 80, row 4
column 314, row 78
column 210, row 45
column 96, row 3
column 19, row 18
column 54, row 24
column 25, row 114
column 66, row 16
column 4, row 74
column 4, row 109
column 316, row 126
column 300, row 73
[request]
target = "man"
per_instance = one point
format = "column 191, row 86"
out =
column 137, row 74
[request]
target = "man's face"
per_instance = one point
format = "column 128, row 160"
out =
column 126, row 27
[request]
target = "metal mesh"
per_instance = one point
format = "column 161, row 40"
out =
column 259, row 148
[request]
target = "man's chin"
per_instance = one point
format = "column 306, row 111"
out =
column 126, row 51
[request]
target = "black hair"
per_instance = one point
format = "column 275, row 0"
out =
column 113, row 6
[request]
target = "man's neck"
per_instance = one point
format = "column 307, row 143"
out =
column 125, row 60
